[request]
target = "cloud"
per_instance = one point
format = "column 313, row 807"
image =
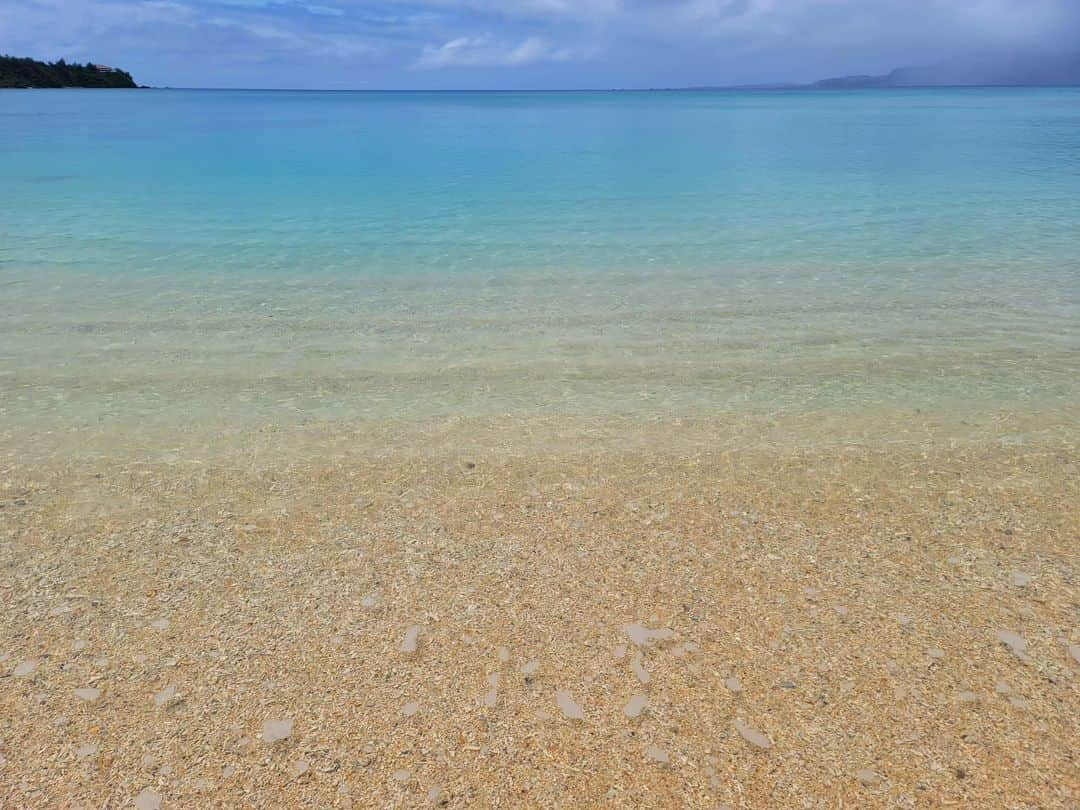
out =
column 555, row 43
column 484, row 51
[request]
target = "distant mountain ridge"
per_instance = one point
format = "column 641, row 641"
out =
column 30, row 73
column 1009, row 70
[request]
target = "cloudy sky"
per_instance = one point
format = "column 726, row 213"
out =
column 523, row 43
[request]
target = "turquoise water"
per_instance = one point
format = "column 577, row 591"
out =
column 172, row 255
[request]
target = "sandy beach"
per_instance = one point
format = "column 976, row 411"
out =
column 482, row 616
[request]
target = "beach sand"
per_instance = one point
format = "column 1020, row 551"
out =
column 641, row 615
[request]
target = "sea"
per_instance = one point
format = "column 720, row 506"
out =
column 179, row 260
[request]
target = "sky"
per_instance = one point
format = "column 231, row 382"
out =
column 524, row 44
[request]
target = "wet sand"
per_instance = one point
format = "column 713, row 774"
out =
column 491, row 619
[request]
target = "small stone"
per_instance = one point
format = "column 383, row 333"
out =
column 1074, row 651
column 369, row 602
column 147, row 800
column 228, row 772
column 89, row 694
column 841, row 611
column 504, row 654
column 752, row 735
column 657, row 754
column 1018, row 702
column 1014, row 642
column 160, row 624
column 639, row 669
column 936, row 653
column 299, row 768
column 636, row 706
column 733, row 684
column 412, row 638
column 903, row 619
column 619, row 653
column 411, row 708
column 79, row 645
column 569, row 707
column 276, row 730
column 437, row 796
column 530, row 669
column 1003, row 688
column 165, row 696
column 84, row 751
column 642, row 635
column 1020, row 579
column 25, row 668
column 402, row 776
column 60, row 610
column 868, row 778
column 968, row 697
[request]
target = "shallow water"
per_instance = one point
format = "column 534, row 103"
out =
column 175, row 258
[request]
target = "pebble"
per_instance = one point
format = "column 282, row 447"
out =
column 79, row 645
column 275, row 730
column 1015, row 643
column 530, row 669
column 411, row 640
column 25, row 668
column 642, row 635
column 89, row 694
column 1020, row 579
column 164, row 696
column 84, row 751
column 568, row 706
column 636, row 706
column 299, row 768
column 492, row 695
column 402, row 776
column 1003, row 688
column 619, row 652
column 411, row 708
column 968, row 697
column 868, row 778
column 1074, row 651
column 752, row 735
column 369, row 602
column 936, row 653
column 504, row 654
column 639, row 669
column 148, row 800
column 657, row 754
column 160, row 624
column 733, row 684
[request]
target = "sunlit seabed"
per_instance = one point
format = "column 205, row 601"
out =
column 231, row 261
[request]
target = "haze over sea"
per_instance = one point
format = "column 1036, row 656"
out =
column 229, row 258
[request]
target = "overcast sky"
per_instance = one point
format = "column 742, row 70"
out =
column 523, row 43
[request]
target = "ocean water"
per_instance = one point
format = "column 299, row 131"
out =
column 275, row 258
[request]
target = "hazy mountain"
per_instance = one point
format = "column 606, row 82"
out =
column 1011, row 69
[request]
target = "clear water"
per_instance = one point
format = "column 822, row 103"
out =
column 204, row 257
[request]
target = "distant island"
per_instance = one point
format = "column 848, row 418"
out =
column 1027, row 70
column 30, row 73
